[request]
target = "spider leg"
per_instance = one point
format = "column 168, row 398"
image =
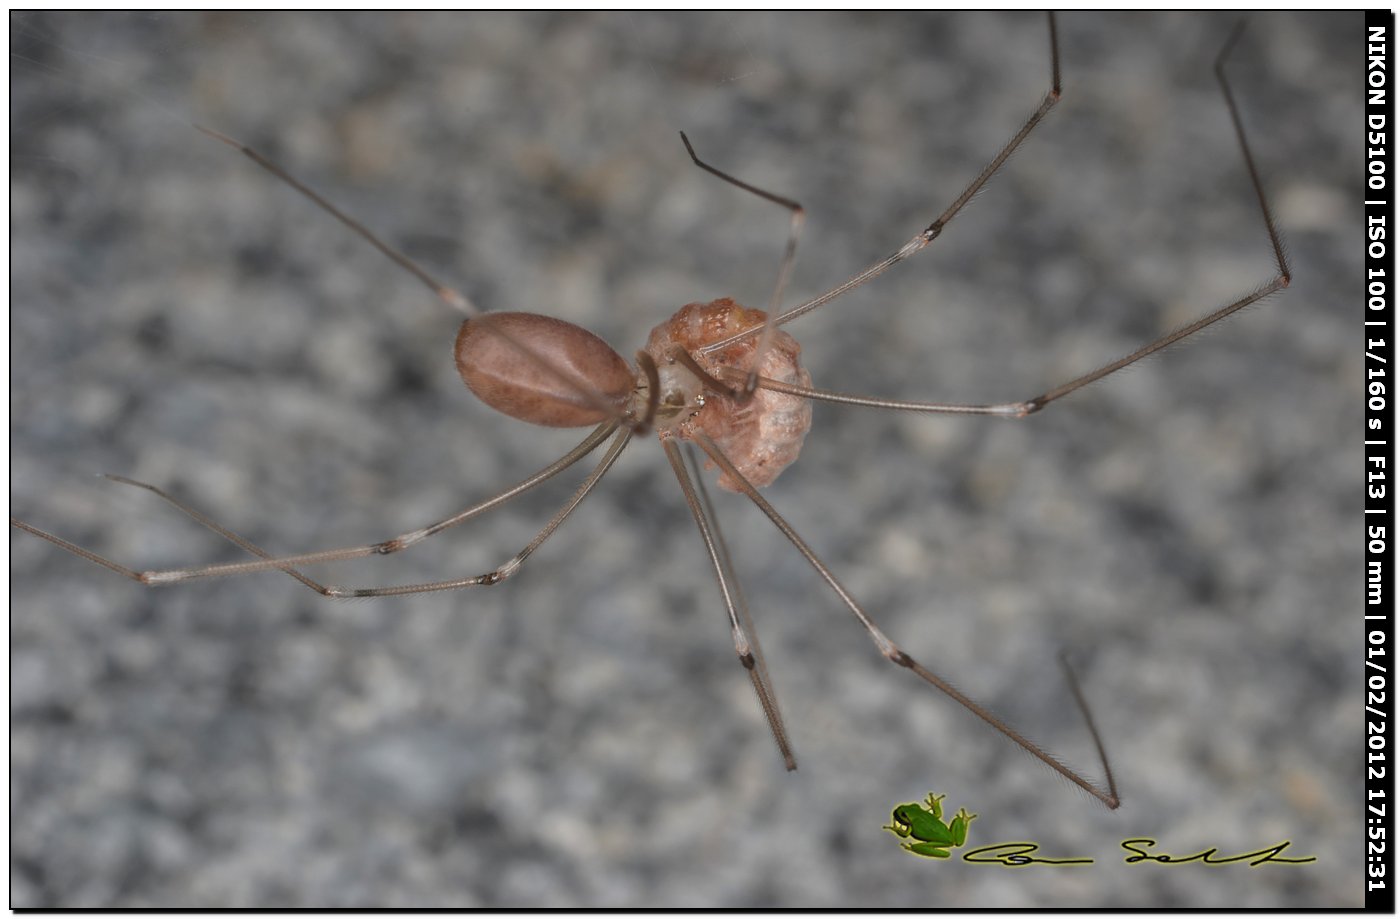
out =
column 443, row 292
column 741, row 625
column 1034, row 404
column 798, row 215
column 935, row 229
column 897, row 655
column 285, row 563
column 510, row 568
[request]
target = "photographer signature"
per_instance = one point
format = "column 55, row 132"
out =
column 1023, row 854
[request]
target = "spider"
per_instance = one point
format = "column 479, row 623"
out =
column 717, row 375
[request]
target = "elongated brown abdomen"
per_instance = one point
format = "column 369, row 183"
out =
column 512, row 383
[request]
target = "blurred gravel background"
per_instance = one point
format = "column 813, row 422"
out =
column 584, row 735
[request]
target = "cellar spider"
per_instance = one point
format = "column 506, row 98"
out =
column 719, row 376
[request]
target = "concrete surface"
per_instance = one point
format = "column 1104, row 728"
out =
column 583, row 735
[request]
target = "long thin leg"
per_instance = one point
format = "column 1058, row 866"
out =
column 798, row 215
column 490, row 579
column 496, row 576
column 387, row 547
column 1083, row 705
column 763, row 683
column 740, row 624
column 443, row 292
column 935, row 229
column 1034, row 404
column 896, row 654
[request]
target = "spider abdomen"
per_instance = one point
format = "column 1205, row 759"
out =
column 514, row 383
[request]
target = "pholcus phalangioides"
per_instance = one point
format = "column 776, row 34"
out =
column 630, row 400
